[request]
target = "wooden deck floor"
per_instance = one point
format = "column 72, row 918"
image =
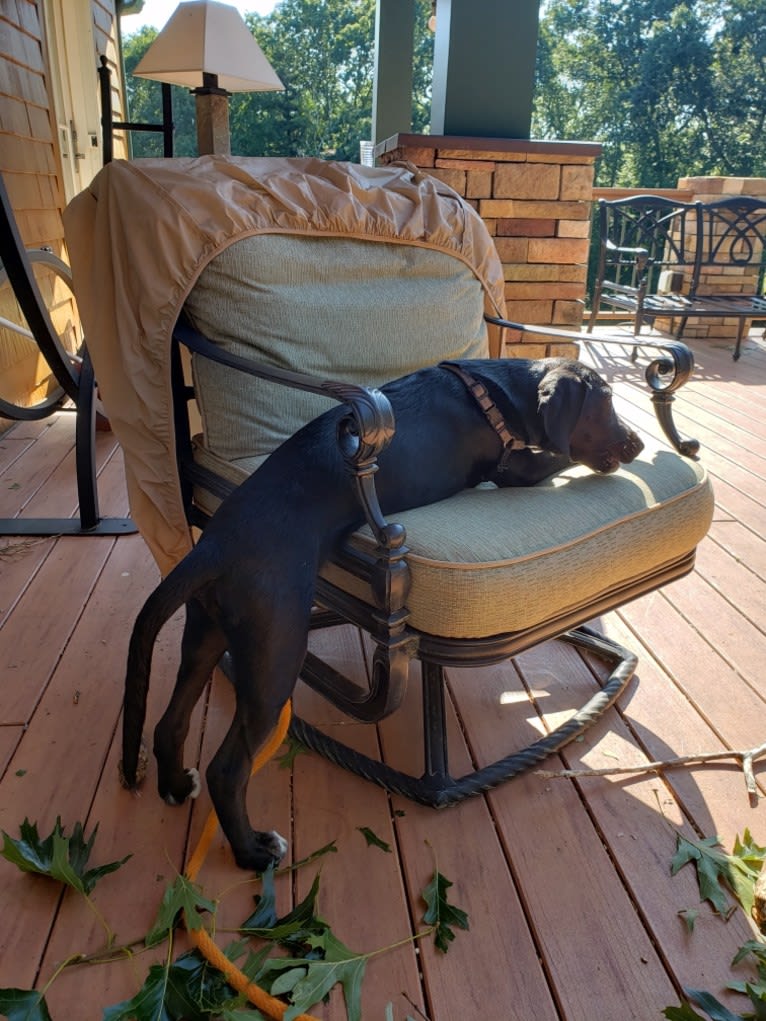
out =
column 574, row 914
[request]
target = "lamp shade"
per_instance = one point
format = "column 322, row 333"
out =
column 205, row 36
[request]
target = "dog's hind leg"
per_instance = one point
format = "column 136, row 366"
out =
column 265, row 673
column 202, row 646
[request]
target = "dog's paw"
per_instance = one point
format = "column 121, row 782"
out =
column 188, row 788
column 265, row 849
column 196, row 783
column 279, row 844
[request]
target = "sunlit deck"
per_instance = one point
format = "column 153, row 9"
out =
column 574, row 914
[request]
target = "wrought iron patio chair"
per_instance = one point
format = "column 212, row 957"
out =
column 283, row 277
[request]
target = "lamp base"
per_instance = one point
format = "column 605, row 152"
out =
column 213, row 135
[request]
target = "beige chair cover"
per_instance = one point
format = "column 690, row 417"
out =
column 142, row 233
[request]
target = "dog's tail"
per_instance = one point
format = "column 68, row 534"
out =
column 173, row 591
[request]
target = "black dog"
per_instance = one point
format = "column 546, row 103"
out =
column 248, row 585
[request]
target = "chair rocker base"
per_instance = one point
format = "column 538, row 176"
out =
column 436, row 788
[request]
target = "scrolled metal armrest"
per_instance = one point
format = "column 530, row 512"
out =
column 363, row 433
column 665, row 374
column 676, row 362
column 368, row 427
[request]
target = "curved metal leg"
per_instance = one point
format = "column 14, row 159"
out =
column 89, row 521
column 436, row 787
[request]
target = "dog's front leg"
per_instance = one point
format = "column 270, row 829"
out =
column 202, row 646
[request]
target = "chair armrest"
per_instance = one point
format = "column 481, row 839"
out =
column 671, row 365
column 636, row 256
column 363, row 433
column 641, row 255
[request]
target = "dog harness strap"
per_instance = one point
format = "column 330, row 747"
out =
column 511, row 441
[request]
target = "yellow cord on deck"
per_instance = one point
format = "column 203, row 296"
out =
column 267, row 1004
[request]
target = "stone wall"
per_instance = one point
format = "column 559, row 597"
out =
column 536, row 200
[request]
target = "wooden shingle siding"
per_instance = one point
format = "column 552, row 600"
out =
column 30, row 153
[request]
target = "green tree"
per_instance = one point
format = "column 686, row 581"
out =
column 670, row 87
column 323, row 51
column 145, row 103
column 735, row 121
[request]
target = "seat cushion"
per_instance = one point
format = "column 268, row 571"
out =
column 331, row 307
column 490, row 561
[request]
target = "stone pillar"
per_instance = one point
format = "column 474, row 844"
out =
column 536, row 199
column 728, row 279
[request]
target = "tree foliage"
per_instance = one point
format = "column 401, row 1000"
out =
column 672, row 88
column 323, row 51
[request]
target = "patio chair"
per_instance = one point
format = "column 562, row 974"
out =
column 65, row 377
column 283, row 276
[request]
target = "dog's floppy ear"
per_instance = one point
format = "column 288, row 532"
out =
column 561, row 396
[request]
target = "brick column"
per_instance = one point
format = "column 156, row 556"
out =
column 728, row 279
column 536, row 200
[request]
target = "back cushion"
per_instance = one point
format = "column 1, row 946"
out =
column 338, row 308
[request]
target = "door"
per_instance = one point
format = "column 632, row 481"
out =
column 74, row 85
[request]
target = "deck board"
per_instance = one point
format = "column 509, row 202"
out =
column 573, row 910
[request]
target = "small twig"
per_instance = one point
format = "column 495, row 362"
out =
column 746, row 759
column 415, row 1007
column 13, row 550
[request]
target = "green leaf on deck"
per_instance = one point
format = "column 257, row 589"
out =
column 440, row 914
column 181, row 896
column 712, row 1007
column 373, row 840
column 683, row 1013
column 307, row 980
column 190, row 989
column 317, row 959
column 292, row 929
column 749, row 852
column 23, row 1005
column 717, row 871
column 265, row 914
column 689, row 918
column 57, row 856
column 149, row 1002
column 715, row 1010
column 294, row 748
column 754, row 947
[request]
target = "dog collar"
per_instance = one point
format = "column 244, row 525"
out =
column 511, row 441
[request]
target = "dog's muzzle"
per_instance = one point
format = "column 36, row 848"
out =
column 607, row 461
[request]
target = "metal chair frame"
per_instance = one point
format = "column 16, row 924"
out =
column 75, row 385
column 383, row 613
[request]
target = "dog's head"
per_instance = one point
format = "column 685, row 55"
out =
column 580, row 421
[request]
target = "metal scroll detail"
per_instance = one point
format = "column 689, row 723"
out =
column 665, row 374
column 363, row 433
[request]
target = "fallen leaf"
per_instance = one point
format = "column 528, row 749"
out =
column 373, row 840
column 440, row 914
column 23, row 1005
column 181, row 896
column 57, row 856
